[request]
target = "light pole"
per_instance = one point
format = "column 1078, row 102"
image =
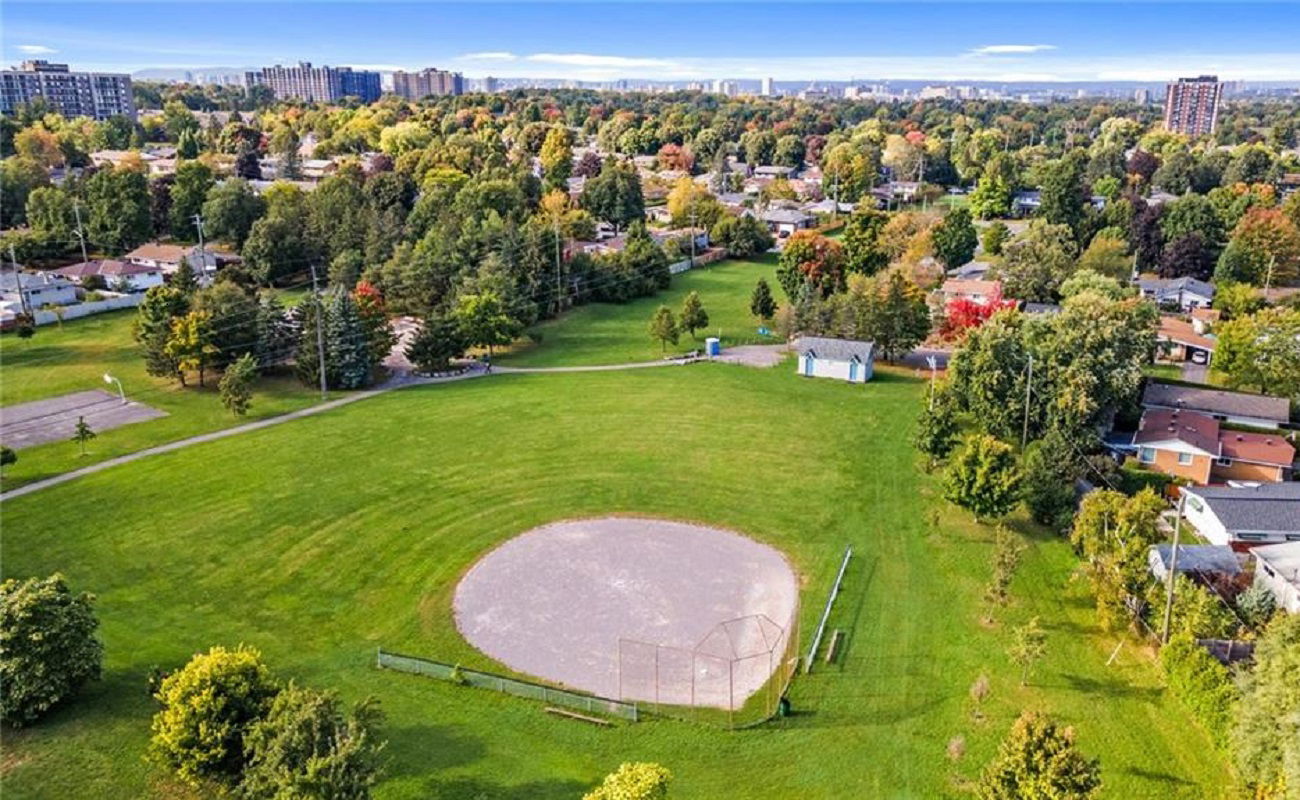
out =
column 109, row 379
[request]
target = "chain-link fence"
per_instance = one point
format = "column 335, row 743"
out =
column 588, row 703
column 735, row 677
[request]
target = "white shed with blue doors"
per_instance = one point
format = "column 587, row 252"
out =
column 843, row 359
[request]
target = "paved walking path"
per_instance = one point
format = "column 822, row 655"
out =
column 395, row 382
column 399, row 379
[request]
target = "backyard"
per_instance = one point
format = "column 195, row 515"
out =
column 321, row 540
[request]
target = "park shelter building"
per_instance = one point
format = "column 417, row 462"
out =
column 843, row 359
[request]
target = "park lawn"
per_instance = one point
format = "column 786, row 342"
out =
column 611, row 333
column 320, row 540
column 74, row 357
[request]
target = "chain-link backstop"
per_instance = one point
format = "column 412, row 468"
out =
column 734, row 677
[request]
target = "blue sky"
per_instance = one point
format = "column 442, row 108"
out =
column 1022, row 41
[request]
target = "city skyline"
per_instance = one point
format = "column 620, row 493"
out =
column 1008, row 42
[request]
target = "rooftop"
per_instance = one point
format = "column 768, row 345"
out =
column 834, row 349
column 1195, row 430
column 1267, row 508
column 1284, row 558
column 1216, row 401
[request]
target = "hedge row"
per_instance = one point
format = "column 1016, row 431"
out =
column 1201, row 683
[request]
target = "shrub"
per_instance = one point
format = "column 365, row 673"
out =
column 1201, row 683
column 639, row 781
column 48, row 647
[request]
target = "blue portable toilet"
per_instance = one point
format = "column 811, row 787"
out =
column 712, row 347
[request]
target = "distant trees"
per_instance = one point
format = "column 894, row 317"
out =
column 955, row 238
column 50, row 646
column 742, row 237
column 1038, row 759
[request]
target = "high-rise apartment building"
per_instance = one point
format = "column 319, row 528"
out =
column 414, row 85
column 1142, row 96
column 316, row 84
column 98, row 95
column 767, row 88
column 1192, row 105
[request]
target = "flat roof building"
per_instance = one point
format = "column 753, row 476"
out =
column 322, row 84
column 98, row 95
column 426, row 82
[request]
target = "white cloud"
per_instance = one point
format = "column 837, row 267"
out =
column 492, row 55
column 589, row 60
column 1011, row 49
column 36, row 49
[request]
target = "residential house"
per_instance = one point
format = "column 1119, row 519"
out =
column 1192, row 446
column 1178, row 341
column 29, row 290
column 683, row 235
column 785, row 221
column 658, row 214
column 1160, row 198
column 843, row 359
column 1193, row 559
column 1244, row 516
column 1024, row 204
column 168, row 257
column 1185, row 293
column 829, row 206
column 772, row 172
column 1040, row 308
column 1238, row 408
column 977, row 291
column 1277, row 569
column 971, row 271
column 136, row 277
column 1204, row 319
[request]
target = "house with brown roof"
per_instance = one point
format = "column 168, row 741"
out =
column 135, row 277
column 1239, row 408
column 168, row 257
column 1190, row 445
column 1178, row 341
column 977, row 291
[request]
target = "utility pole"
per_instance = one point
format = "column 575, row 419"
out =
column 1029, row 382
column 18, row 278
column 320, row 330
column 1173, row 571
column 203, row 256
column 557, row 267
column 1268, row 276
column 934, row 365
column 692, row 234
column 81, row 235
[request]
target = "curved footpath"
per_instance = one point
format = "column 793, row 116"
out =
column 397, row 381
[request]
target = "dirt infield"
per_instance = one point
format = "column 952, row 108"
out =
column 555, row 602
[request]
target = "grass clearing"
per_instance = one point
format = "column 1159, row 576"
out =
column 74, row 357
column 320, row 540
column 608, row 333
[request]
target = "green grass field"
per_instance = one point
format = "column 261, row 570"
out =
column 74, row 358
column 322, row 539
column 605, row 333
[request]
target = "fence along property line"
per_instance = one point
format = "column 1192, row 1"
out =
column 826, row 612
column 591, row 704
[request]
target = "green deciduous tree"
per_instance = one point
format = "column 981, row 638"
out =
column 48, row 647
column 863, row 251
column 1113, row 533
column 307, row 747
column 486, row 321
column 118, row 204
column 1038, row 261
column 1039, row 761
column 1266, row 730
column 230, row 210
column 1261, row 351
column 1109, row 256
column 663, row 327
column 208, row 708
column 994, row 237
column 614, row 195
column 743, row 237
column 190, row 345
column 955, row 238
column 1028, row 647
column 438, row 341
column 1049, row 476
column 189, row 192
column 983, row 477
column 992, row 195
column 557, row 157
column 236, row 384
column 936, row 428
column 813, row 259
column 693, row 316
column 633, row 781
